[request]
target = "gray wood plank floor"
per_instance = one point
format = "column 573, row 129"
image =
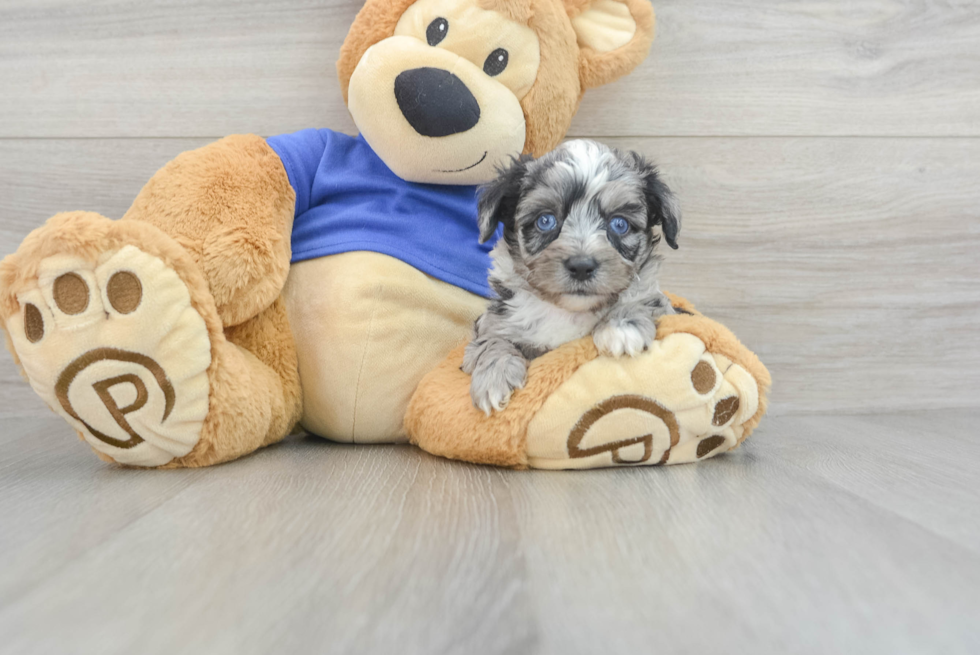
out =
column 851, row 534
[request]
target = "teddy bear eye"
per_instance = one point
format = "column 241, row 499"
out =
column 437, row 31
column 496, row 62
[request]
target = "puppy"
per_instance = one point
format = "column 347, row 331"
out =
column 577, row 257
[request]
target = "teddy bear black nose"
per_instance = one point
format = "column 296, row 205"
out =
column 435, row 102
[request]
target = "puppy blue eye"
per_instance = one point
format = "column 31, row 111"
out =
column 619, row 225
column 546, row 222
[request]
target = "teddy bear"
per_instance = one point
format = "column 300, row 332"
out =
column 327, row 281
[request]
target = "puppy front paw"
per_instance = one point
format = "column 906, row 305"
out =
column 494, row 382
column 625, row 338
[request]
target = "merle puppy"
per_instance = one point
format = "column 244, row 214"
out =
column 577, row 257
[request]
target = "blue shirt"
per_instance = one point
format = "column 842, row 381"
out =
column 347, row 199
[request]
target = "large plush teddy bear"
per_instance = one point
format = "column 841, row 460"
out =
column 316, row 278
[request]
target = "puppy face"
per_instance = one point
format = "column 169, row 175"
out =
column 580, row 222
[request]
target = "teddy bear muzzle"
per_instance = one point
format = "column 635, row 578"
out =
column 433, row 116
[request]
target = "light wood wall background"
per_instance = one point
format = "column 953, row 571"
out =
column 826, row 154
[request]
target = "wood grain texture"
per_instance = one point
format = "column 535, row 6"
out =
column 801, row 541
column 924, row 472
column 107, row 68
column 849, row 265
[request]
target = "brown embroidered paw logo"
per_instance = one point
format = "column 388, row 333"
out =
column 103, row 389
column 617, row 416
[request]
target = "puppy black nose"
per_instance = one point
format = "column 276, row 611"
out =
column 435, row 102
column 581, row 268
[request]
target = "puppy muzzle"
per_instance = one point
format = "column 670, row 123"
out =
column 581, row 268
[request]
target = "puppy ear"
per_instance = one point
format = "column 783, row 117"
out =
column 614, row 36
column 497, row 200
column 662, row 208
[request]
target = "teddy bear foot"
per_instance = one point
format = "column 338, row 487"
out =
column 674, row 404
column 695, row 393
column 107, row 335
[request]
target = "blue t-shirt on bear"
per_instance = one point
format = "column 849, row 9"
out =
column 347, row 199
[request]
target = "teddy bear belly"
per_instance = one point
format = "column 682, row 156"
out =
column 367, row 328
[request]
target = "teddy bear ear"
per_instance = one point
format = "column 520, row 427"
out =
column 614, row 36
column 375, row 22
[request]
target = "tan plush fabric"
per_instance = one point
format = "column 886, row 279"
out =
column 720, row 341
column 223, row 402
column 649, row 409
column 553, row 100
column 441, row 418
column 375, row 21
column 230, row 205
column 251, row 406
column 572, row 59
column 599, row 65
column 605, row 26
column 255, row 398
column 580, row 410
column 369, row 327
column 113, row 375
column 519, row 11
column 475, row 30
column 408, row 154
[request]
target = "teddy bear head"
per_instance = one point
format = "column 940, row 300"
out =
column 445, row 91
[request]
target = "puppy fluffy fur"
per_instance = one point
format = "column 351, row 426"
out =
column 578, row 256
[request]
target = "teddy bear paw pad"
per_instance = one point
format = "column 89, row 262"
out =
column 115, row 347
column 675, row 403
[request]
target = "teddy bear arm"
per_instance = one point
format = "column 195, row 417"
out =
column 697, row 392
column 231, row 206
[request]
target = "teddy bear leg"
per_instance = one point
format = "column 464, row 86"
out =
column 678, row 402
column 230, row 206
column 268, row 352
column 695, row 393
column 255, row 392
column 115, row 328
